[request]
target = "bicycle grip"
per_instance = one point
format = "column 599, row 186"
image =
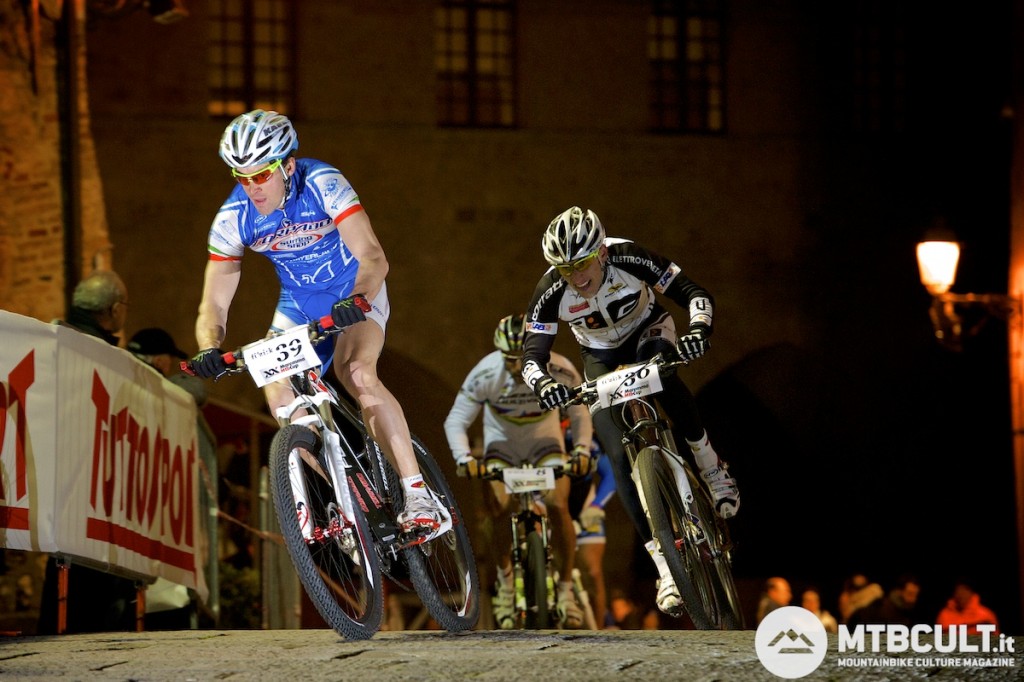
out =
column 186, row 365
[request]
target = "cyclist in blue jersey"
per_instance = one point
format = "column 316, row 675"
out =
column 305, row 217
column 588, row 496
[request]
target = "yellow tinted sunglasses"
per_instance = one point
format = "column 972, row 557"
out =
column 567, row 269
column 259, row 177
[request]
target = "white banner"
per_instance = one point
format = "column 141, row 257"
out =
column 98, row 455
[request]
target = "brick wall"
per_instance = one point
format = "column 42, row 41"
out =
column 32, row 253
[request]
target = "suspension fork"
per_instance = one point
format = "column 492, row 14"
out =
column 649, row 431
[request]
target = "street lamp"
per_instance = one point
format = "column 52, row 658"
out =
column 937, row 261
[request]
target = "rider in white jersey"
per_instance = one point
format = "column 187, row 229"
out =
column 306, row 218
column 517, row 431
column 604, row 289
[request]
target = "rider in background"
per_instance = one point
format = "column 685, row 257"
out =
column 516, row 432
column 604, row 289
column 588, row 496
column 307, row 219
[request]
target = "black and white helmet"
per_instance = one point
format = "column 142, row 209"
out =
column 257, row 137
column 572, row 235
column 508, row 337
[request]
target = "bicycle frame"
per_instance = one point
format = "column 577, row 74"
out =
column 315, row 404
column 337, row 497
column 524, row 521
column 698, row 557
column 646, row 429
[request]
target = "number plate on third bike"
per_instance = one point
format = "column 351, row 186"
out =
column 280, row 356
column 528, row 480
column 628, row 383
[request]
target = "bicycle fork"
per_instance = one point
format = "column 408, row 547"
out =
column 667, row 447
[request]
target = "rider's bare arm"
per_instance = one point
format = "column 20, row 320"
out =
column 358, row 236
column 219, row 286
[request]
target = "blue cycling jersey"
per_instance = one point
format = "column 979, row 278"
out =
column 301, row 239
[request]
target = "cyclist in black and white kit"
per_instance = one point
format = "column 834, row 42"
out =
column 603, row 288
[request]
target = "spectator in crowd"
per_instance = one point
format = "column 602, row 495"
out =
column 777, row 593
column 857, row 593
column 97, row 601
column 99, row 306
column 898, row 607
column 811, row 600
column 965, row 608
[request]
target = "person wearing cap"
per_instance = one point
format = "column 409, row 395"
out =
column 156, row 347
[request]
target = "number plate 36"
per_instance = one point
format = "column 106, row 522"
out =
column 628, row 383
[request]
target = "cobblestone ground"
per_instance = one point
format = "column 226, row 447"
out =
column 308, row 655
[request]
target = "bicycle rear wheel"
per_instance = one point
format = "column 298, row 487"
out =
column 338, row 565
column 691, row 539
column 443, row 570
column 535, row 582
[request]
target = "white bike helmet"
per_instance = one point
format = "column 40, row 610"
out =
column 508, row 337
column 257, row 137
column 572, row 235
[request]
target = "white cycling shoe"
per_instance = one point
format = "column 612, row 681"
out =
column 669, row 600
column 570, row 615
column 420, row 514
column 724, row 490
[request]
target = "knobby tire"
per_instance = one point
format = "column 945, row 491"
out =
column 693, row 546
column 535, row 582
column 344, row 583
column 443, row 570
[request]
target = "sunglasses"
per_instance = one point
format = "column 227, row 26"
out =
column 567, row 269
column 259, row 177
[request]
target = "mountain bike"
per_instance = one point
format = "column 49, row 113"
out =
column 534, row 576
column 680, row 511
column 337, row 497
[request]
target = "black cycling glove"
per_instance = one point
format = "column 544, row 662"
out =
column 551, row 394
column 209, row 363
column 348, row 311
column 694, row 344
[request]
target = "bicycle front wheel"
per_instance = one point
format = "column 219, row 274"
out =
column 335, row 557
column 535, row 581
column 443, row 570
column 691, row 543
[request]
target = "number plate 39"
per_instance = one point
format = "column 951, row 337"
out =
column 281, row 356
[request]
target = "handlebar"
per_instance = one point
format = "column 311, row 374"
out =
column 497, row 473
column 235, row 360
column 586, row 393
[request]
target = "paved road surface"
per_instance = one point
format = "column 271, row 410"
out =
column 312, row 655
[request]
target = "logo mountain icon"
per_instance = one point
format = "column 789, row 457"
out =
column 797, row 641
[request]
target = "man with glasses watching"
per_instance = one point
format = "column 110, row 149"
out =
column 306, row 218
column 603, row 288
column 516, row 432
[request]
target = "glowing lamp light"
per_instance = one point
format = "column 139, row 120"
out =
column 937, row 263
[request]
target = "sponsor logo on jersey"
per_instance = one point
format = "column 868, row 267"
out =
column 296, row 243
column 670, row 274
column 293, row 236
column 615, row 287
column 579, row 306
